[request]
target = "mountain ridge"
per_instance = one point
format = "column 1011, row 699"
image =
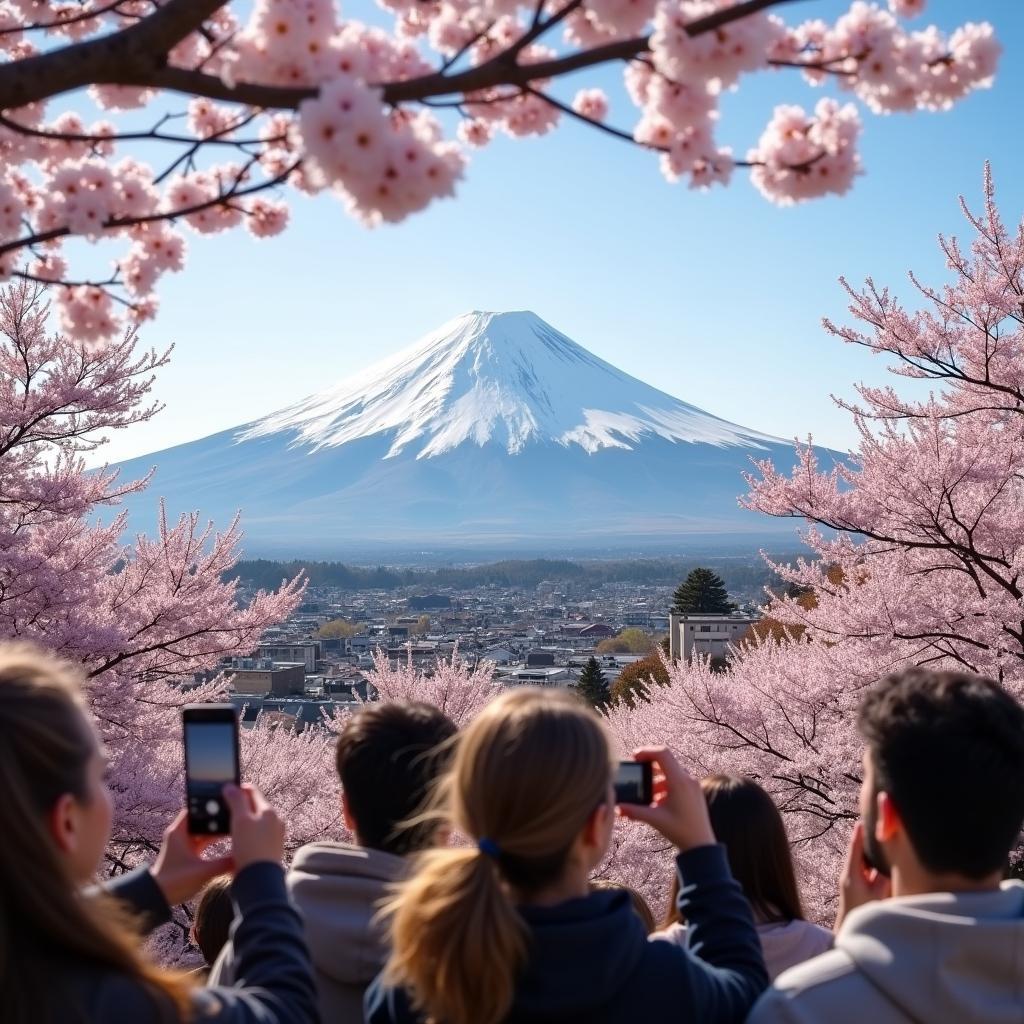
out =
column 495, row 431
column 501, row 377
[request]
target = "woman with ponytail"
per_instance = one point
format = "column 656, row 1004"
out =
column 71, row 954
column 506, row 930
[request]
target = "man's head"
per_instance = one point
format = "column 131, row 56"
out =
column 943, row 773
column 388, row 757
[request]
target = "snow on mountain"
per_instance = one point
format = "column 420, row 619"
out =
column 502, row 378
column 494, row 432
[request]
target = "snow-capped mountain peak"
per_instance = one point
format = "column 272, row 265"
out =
column 507, row 379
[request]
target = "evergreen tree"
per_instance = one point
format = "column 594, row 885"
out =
column 592, row 685
column 702, row 593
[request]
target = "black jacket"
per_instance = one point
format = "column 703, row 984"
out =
column 590, row 959
column 275, row 980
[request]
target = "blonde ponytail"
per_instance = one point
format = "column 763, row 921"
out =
column 527, row 774
column 458, row 941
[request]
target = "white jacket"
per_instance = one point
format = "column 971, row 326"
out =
column 783, row 943
column 941, row 958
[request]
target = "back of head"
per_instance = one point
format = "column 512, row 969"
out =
column 214, row 915
column 528, row 773
column 46, row 744
column 388, row 758
column 948, row 748
column 641, row 907
column 747, row 823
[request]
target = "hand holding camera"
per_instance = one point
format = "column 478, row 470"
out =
column 678, row 809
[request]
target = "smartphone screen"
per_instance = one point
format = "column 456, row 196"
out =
column 634, row 783
column 211, row 761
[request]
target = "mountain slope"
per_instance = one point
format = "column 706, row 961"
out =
column 504, row 378
column 494, row 430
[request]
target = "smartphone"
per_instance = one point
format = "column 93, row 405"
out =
column 211, row 762
column 634, row 783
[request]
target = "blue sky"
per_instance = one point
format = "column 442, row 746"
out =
column 714, row 297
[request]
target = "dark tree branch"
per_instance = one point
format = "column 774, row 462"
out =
column 133, row 53
column 136, row 56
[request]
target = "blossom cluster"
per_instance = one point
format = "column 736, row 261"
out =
column 324, row 119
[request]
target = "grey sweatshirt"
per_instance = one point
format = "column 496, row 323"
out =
column 337, row 889
column 941, row 958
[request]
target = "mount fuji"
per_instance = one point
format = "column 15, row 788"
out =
column 494, row 431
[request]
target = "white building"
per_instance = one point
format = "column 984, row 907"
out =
column 709, row 635
column 536, row 677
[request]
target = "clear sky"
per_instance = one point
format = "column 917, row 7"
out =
column 713, row 297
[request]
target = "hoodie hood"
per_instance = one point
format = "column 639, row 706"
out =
column 337, row 889
column 581, row 954
column 944, row 956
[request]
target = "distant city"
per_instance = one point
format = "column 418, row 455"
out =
column 538, row 622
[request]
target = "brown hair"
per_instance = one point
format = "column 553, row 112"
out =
column 640, row 906
column 389, row 756
column 214, row 914
column 45, row 746
column 528, row 772
column 747, row 823
column 942, row 740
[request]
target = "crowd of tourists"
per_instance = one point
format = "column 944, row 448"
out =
column 466, row 896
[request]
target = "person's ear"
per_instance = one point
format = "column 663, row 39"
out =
column 596, row 825
column 346, row 814
column 888, row 822
column 63, row 823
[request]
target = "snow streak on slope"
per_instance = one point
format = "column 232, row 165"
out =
column 504, row 378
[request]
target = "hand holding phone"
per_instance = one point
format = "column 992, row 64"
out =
column 257, row 831
column 634, row 783
column 180, row 868
column 211, row 763
column 678, row 811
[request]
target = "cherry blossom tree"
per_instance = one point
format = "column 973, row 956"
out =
column 140, row 617
column 285, row 94
column 918, row 551
column 452, row 685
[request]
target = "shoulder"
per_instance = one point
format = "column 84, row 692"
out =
column 808, row 991
column 113, row 998
column 388, row 1004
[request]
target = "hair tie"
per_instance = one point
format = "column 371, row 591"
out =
column 489, row 848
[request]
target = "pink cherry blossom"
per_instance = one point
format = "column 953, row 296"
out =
column 266, row 218
column 591, row 103
column 916, row 542
column 138, row 616
column 294, row 97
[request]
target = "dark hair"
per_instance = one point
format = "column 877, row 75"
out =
column 948, row 748
column 747, row 823
column 388, row 757
column 641, row 907
column 46, row 744
column 214, row 914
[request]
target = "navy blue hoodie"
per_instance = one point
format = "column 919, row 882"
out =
column 275, row 978
column 590, row 959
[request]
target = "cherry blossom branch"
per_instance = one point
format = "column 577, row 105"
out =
column 167, row 215
column 85, row 15
column 617, row 133
column 131, row 57
column 131, row 53
column 151, row 135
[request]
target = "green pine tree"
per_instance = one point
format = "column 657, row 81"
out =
column 702, row 593
column 592, row 685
